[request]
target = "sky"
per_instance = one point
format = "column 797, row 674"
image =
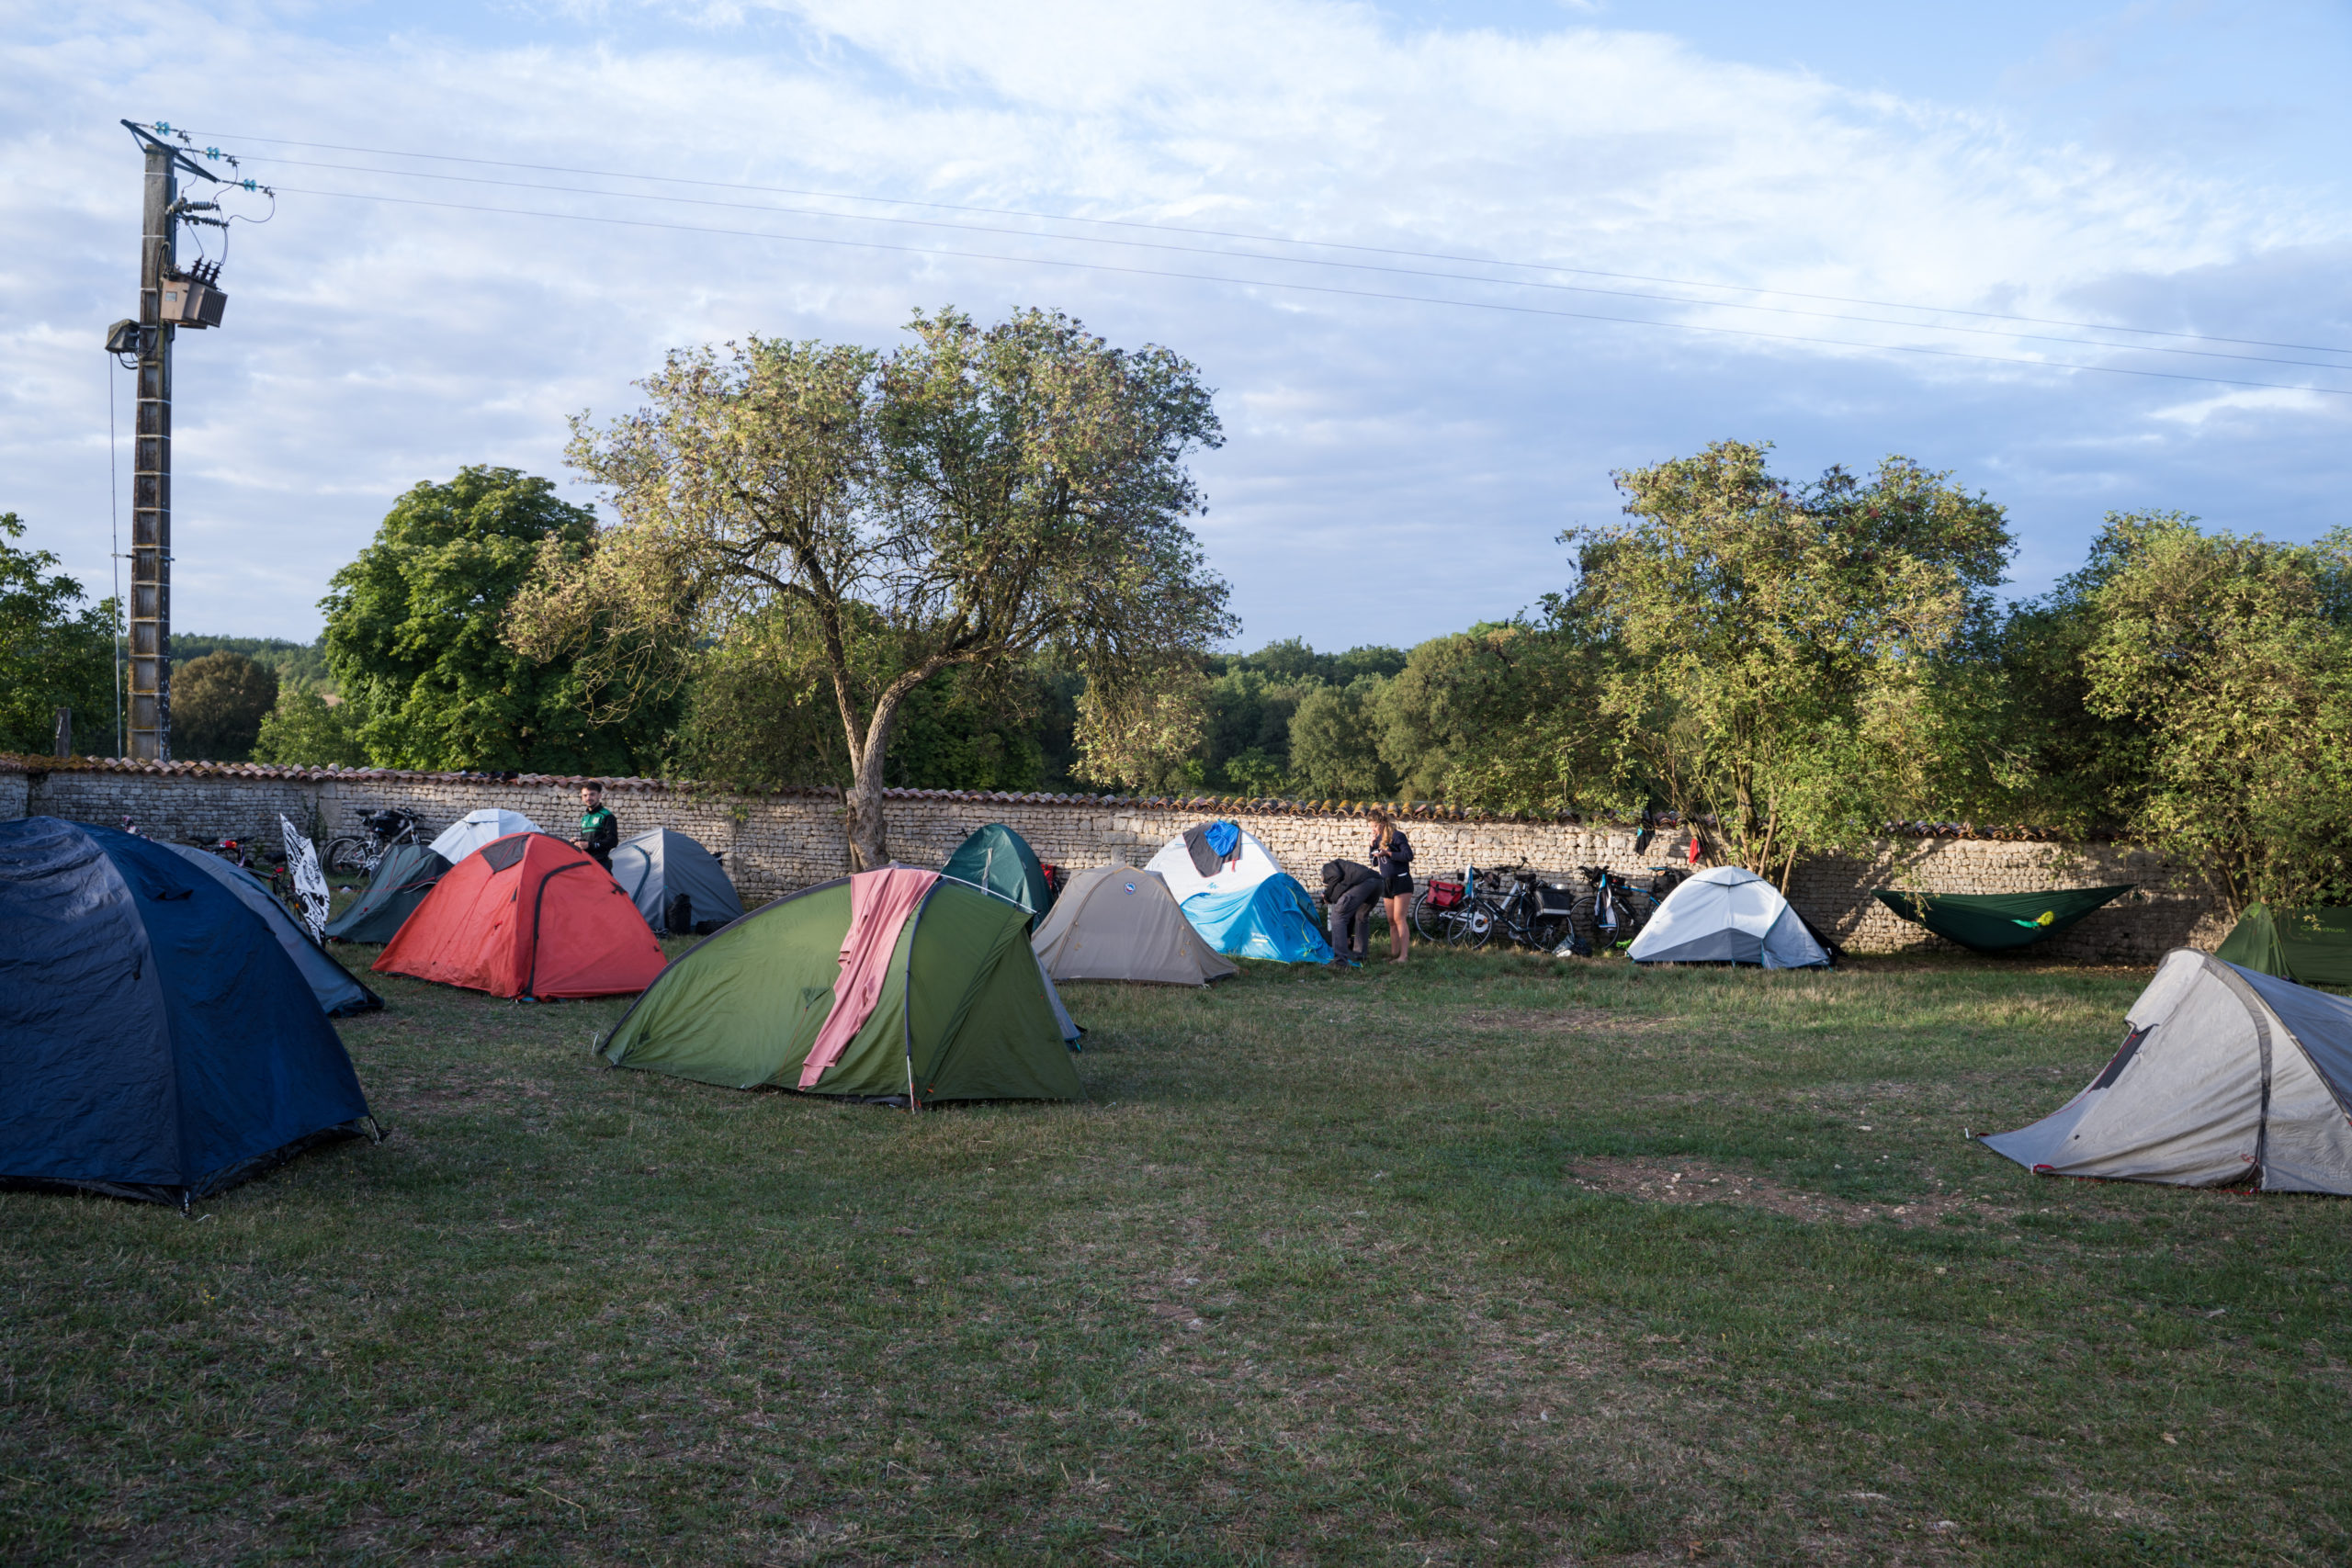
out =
column 2084, row 257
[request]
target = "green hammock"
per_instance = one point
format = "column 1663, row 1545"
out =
column 2311, row 947
column 1992, row 922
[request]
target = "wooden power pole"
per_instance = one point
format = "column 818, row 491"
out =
column 168, row 300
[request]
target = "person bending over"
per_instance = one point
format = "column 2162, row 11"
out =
column 1392, row 857
column 600, row 830
column 1349, row 889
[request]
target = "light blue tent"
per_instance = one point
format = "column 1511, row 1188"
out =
column 1270, row 918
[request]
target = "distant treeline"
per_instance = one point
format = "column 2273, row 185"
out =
column 302, row 666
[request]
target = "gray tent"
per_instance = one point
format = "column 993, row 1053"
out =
column 658, row 868
column 2224, row 1074
column 402, row 878
column 337, row 992
column 1725, row 915
column 1113, row 922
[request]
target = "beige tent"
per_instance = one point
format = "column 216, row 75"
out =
column 1115, row 923
column 2225, row 1075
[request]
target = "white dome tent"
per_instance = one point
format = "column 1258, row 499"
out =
column 1179, row 866
column 462, row 837
column 2224, row 1074
column 1725, row 915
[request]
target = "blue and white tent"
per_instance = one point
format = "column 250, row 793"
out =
column 1239, row 898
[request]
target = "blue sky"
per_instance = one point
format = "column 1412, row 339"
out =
column 1394, row 469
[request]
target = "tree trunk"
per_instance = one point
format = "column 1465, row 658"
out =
column 869, row 838
column 869, row 844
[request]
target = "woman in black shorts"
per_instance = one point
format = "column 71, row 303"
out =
column 1391, row 856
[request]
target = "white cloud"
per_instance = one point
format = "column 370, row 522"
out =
column 368, row 347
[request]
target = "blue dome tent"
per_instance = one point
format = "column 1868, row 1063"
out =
column 155, row 1040
column 1274, row 918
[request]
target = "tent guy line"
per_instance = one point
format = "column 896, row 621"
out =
column 1330, row 289
column 1276, row 240
column 1385, row 268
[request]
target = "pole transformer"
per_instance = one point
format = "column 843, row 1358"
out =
column 168, row 300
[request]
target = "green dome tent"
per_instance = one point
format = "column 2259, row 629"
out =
column 1994, row 922
column 997, row 858
column 2311, row 947
column 402, row 878
column 889, row 984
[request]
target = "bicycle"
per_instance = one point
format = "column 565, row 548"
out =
column 1610, row 916
column 355, row 854
column 267, row 864
column 1532, row 912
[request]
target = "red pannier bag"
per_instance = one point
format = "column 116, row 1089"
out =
column 1444, row 895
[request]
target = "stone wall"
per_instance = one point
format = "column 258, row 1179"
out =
column 774, row 843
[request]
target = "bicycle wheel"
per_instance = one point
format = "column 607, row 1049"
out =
column 1475, row 924
column 1585, row 919
column 1432, row 925
column 1545, row 932
column 347, row 857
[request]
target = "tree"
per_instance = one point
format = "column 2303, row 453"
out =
column 56, row 650
column 306, row 730
column 297, row 663
column 1335, row 742
column 760, row 715
column 415, row 638
column 1507, row 717
column 2234, row 656
column 1772, row 645
column 978, row 498
column 217, row 703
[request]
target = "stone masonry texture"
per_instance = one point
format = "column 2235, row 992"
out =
column 773, row 844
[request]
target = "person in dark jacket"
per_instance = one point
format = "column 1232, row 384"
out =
column 1392, row 857
column 1349, row 888
column 600, row 830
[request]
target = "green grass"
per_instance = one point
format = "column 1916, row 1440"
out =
column 1387, row 1267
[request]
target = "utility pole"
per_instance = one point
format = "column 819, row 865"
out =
column 150, row 483
column 168, row 299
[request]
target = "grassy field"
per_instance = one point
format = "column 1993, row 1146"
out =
column 1488, row 1260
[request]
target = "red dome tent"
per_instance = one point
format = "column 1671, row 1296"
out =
column 527, row 916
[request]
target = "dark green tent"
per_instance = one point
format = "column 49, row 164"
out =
column 2310, row 947
column 1994, row 923
column 961, row 1011
column 402, row 878
column 997, row 858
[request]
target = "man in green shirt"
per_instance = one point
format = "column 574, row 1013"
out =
column 599, row 831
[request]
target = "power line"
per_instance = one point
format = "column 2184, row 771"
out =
column 1286, row 240
column 1316, row 288
column 2001, row 333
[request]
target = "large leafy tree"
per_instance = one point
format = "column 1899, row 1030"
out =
column 760, row 714
column 307, row 729
column 2231, row 658
column 219, row 702
column 978, row 498
column 1772, row 645
column 415, row 638
column 56, row 650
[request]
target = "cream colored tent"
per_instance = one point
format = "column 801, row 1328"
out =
column 1115, row 923
column 2225, row 1075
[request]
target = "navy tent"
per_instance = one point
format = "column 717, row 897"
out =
column 337, row 992
column 155, row 1041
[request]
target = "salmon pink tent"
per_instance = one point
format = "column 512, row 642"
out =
column 527, row 916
